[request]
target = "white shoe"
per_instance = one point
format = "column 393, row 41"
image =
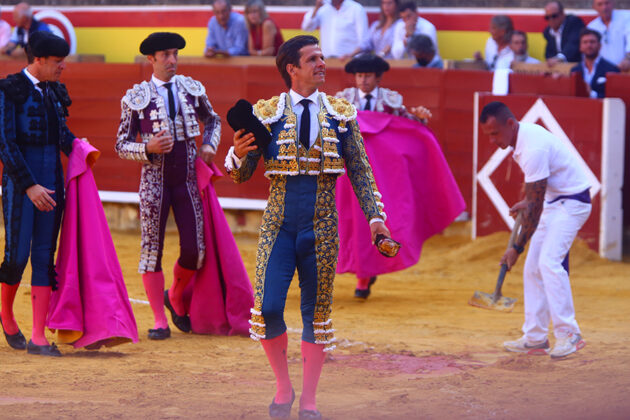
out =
column 567, row 345
column 523, row 346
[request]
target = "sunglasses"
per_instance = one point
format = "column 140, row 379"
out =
column 553, row 16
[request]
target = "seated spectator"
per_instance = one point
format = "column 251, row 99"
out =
column 381, row 33
column 411, row 24
column 518, row 45
column 5, row 33
column 422, row 49
column 562, row 35
column 264, row 35
column 614, row 27
column 342, row 24
column 498, row 54
column 227, row 31
column 25, row 25
column 593, row 66
column 368, row 71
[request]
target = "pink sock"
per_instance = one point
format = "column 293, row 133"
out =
column 40, row 298
column 313, row 358
column 154, row 286
column 8, row 297
column 276, row 350
column 181, row 278
column 363, row 283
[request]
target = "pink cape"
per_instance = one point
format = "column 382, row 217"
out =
column 419, row 192
column 92, row 298
column 220, row 295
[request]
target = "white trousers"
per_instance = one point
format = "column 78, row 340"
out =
column 547, row 290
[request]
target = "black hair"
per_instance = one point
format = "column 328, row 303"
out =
column 408, row 5
column 422, row 44
column 588, row 31
column 496, row 109
column 289, row 53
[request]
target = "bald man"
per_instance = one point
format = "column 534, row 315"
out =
column 25, row 25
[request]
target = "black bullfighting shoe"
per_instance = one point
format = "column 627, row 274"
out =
column 16, row 341
column 159, row 333
column 309, row 415
column 281, row 411
column 45, row 350
column 181, row 322
column 363, row 294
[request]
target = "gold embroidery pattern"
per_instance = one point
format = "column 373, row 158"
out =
column 326, row 250
column 272, row 220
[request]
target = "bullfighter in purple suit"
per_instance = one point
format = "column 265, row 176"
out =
column 165, row 112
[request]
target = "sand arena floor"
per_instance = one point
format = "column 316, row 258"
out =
column 413, row 350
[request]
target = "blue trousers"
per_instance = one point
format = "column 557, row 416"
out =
column 293, row 248
column 29, row 231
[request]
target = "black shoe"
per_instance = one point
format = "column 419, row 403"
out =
column 309, row 415
column 45, row 350
column 281, row 411
column 16, row 341
column 159, row 333
column 181, row 322
column 363, row 294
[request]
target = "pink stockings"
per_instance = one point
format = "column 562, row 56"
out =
column 313, row 359
column 181, row 278
column 154, row 286
column 40, row 298
column 8, row 297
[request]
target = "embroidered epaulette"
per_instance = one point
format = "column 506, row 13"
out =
column 138, row 97
column 339, row 108
column 392, row 98
column 191, row 85
column 270, row 110
column 16, row 87
column 348, row 94
column 62, row 95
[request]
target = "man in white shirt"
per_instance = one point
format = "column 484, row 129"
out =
column 5, row 33
column 614, row 26
column 518, row 45
column 556, row 205
column 342, row 24
column 411, row 24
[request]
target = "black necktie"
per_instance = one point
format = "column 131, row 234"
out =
column 368, row 106
column 51, row 114
column 305, row 124
column 171, row 101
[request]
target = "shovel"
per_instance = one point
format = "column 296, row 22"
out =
column 496, row 300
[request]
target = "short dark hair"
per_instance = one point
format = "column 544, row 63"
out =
column 408, row 5
column 588, row 31
column 422, row 44
column 496, row 109
column 521, row 33
column 289, row 53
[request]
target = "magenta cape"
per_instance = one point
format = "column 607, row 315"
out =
column 220, row 295
column 419, row 192
column 91, row 303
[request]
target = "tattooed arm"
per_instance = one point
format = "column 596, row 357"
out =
column 531, row 208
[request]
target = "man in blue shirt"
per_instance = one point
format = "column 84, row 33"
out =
column 227, row 31
column 593, row 67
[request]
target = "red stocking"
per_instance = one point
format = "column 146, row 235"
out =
column 276, row 350
column 40, row 298
column 154, row 286
column 313, row 358
column 8, row 297
column 181, row 278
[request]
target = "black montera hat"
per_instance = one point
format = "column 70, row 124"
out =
column 159, row 41
column 242, row 116
column 367, row 63
column 47, row 44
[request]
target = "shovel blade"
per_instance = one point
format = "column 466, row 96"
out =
column 486, row 301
